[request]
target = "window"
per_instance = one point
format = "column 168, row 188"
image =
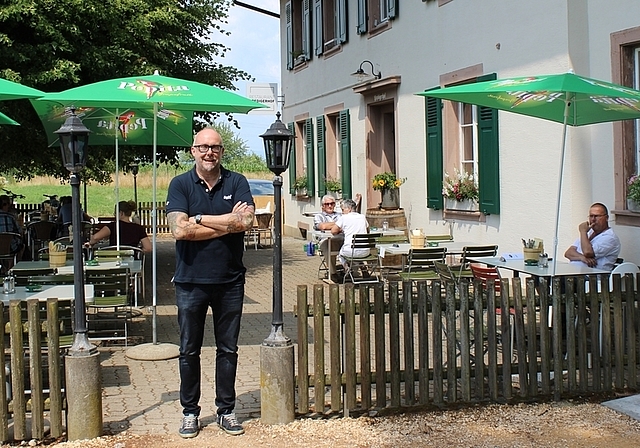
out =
column 329, row 151
column 373, row 14
column 625, row 59
column 302, row 160
column 298, row 31
column 330, row 24
column 463, row 137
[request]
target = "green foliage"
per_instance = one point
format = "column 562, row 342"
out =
column 333, row 184
column 57, row 45
column 387, row 181
column 301, row 182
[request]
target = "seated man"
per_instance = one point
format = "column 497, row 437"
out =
column 325, row 220
column 8, row 223
column 597, row 246
column 350, row 223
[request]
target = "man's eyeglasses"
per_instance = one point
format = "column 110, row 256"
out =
column 329, row 203
column 203, row 149
column 595, row 216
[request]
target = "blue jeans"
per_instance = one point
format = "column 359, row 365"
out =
column 193, row 302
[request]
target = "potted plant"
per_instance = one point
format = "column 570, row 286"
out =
column 633, row 193
column 460, row 191
column 300, row 185
column 333, row 186
column 388, row 185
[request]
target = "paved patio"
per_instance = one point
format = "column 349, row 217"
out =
column 142, row 397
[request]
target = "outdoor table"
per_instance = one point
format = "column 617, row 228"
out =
column 562, row 269
column 135, row 266
column 62, row 292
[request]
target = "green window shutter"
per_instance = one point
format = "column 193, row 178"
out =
column 392, row 9
column 292, row 159
column 362, row 17
column 345, row 149
column 488, row 157
column 433, row 109
column 289, row 28
column 342, row 21
column 306, row 29
column 317, row 26
column 322, row 155
column 311, row 170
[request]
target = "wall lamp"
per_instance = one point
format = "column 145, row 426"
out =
column 361, row 74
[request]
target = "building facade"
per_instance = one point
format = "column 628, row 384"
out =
column 350, row 128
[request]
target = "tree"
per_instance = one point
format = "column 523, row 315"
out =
column 53, row 46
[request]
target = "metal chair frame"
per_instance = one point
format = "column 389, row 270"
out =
column 363, row 241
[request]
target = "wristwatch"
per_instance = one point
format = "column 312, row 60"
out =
column 198, row 218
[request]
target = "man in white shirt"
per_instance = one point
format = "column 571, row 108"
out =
column 350, row 223
column 597, row 246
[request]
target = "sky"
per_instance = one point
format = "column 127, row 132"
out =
column 255, row 48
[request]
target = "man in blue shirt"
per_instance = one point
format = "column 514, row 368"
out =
column 209, row 208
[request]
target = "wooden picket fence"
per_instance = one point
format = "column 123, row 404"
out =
column 433, row 343
column 20, row 361
column 145, row 211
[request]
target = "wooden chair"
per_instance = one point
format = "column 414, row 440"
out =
column 109, row 313
column 486, row 273
column 421, row 263
column 22, row 275
column 474, row 251
column 138, row 281
column 369, row 265
column 262, row 230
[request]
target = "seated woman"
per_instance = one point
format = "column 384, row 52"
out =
column 131, row 233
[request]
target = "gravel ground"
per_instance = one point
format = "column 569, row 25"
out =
column 566, row 423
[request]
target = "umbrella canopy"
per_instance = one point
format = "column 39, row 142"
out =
column 587, row 100
column 160, row 93
column 145, row 90
column 566, row 98
column 122, row 126
column 10, row 90
column 7, row 120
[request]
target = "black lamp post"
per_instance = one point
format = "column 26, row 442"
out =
column 74, row 139
column 277, row 149
column 134, row 170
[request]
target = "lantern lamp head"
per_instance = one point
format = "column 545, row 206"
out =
column 74, row 141
column 277, row 146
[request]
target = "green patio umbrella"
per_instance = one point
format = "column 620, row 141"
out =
column 7, row 120
column 119, row 126
column 10, row 90
column 565, row 98
column 158, row 92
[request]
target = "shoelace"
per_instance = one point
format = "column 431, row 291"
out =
column 231, row 418
column 190, row 421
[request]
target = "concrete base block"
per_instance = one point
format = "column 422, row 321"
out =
column 277, row 393
column 84, row 397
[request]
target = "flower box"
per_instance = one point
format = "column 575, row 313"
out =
column 466, row 205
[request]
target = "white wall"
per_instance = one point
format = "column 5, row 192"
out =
column 426, row 41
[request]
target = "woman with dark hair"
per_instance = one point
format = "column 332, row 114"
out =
column 131, row 233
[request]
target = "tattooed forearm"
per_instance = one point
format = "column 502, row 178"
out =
column 239, row 222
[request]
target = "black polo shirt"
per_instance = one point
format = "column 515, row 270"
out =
column 218, row 260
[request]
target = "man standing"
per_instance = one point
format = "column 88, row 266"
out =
column 209, row 208
column 597, row 246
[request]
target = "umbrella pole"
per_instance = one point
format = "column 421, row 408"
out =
column 567, row 104
column 154, row 351
column 117, row 212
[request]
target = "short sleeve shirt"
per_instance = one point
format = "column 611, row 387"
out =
column 130, row 233
column 324, row 217
column 606, row 247
column 217, row 260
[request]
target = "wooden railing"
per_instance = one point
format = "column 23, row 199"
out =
column 444, row 344
column 145, row 211
column 25, row 361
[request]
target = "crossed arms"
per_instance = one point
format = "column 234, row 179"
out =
column 184, row 227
